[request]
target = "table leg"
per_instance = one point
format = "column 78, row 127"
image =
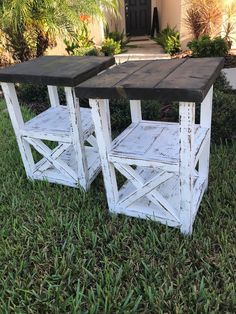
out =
column 18, row 123
column 101, row 118
column 205, row 121
column 77, row 137
column 53, row 96
column 135, row 109
column 187, row 130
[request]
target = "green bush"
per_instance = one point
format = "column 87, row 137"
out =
column 223, row 117
column 111, row 47
column 82, row 45
column 32, row 93
column 169, row 39
column 36, row 96
column 207, row 47
column 84, row 51
column 222, row 84
column 151, row 110
column 116, row 36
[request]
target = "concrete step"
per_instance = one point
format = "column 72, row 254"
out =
column 136, row 57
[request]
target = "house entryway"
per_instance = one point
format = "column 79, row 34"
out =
column 138, row 17
column 142, row 48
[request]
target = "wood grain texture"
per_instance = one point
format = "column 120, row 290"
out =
column 168, row 80
column 56, row 70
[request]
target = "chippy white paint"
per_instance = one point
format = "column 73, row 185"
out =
column 75, row 161
column 166, row 164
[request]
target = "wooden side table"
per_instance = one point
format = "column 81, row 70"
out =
column 166, row 164
column 75, row 159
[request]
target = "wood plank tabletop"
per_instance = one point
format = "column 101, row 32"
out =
column 168, row 80
column 56, row 70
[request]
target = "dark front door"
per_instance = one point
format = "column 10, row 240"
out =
column 138, row 17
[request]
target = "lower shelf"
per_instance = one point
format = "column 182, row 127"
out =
column 54, row 176
column 170, row 191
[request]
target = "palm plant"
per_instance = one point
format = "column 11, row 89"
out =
column 31, row 26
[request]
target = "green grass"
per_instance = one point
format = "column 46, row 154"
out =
column 61, row 252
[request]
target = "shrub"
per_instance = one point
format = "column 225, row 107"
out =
column 36, row 96
column 82, row 44
column 83, row 51
column 4, row 58
column 111, row 47
column 207, row 47
column 32, row 93
column 223, row 117
column 222, row 84
column 169, row 39
column 116, row 36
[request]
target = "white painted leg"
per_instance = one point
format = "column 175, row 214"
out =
column 77, row 136
column 53, row 96
column 101, row 118
column 205, row 121
column 136, row 111
column 187, row 123
column 18, row 123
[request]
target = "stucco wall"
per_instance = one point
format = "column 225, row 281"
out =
column 96, row 30
column 185, row 34
column 233, row 34
column 117, row 22
column 170, row 12
column 173, row 12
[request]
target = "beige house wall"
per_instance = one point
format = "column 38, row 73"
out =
column 96, row 30
column 170, row 13
column 117, row 22
column 173, row 13
column 233, row 35
column 185, row 34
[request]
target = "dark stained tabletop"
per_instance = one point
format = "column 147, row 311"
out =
column 56, row 70
column 168, row 80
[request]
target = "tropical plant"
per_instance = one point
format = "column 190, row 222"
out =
column 111, row 47
column 207, row 47
column 81, row 43
column 169, row 39
column 204, row 17
column 32, row 26
column 115, row 35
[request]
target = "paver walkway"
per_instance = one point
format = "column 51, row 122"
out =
column 142, row 48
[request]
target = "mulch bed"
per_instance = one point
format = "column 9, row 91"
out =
column 230, row 60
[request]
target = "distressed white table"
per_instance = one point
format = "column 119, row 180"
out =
column 75, row 159
column 166, row 164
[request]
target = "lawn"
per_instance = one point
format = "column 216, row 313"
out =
column 61, row 252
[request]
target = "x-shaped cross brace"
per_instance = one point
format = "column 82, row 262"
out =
column 52, row 157
column 147, row 189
